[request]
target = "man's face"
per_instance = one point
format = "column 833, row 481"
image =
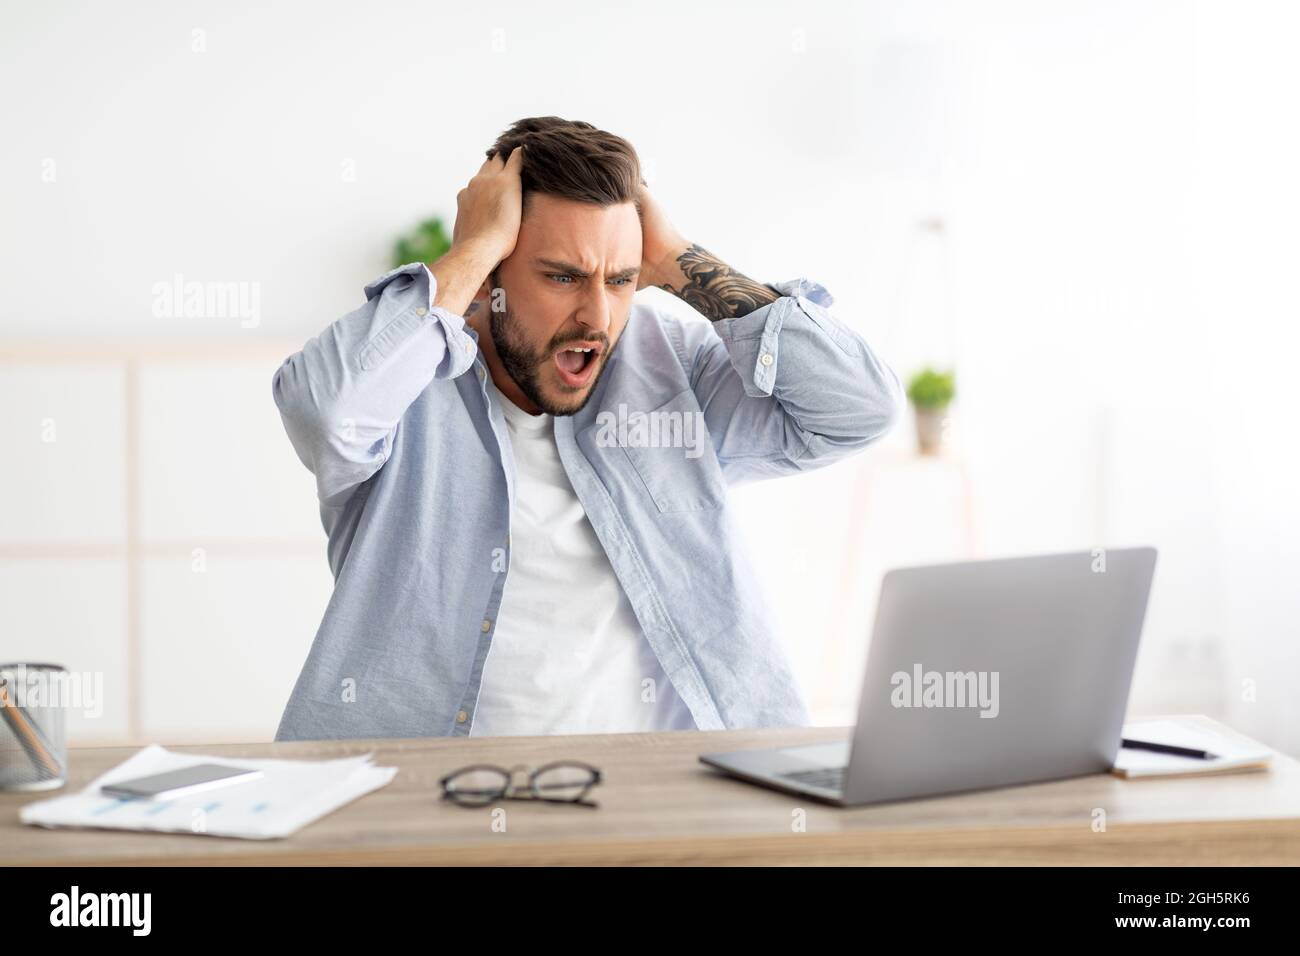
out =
column 566, row 294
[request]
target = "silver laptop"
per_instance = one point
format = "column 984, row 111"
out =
column 980, row 674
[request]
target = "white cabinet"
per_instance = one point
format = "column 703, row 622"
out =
column 222, row 642
column 214, row 459
column 72, row 611
column 159, row 532
column 64, row 463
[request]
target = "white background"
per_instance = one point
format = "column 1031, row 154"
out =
column 1114, row 282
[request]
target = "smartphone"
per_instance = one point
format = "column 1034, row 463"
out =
column 179, row 783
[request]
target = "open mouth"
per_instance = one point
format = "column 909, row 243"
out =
column 577, row 361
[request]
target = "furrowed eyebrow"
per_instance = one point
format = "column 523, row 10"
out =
column 569, row 268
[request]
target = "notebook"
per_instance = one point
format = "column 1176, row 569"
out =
column 1234, row 752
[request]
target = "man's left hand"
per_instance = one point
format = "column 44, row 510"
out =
column 661, row 244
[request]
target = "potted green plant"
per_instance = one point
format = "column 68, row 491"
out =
column 426, row 244
column 930, row 392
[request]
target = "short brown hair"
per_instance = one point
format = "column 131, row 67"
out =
column 572, row 159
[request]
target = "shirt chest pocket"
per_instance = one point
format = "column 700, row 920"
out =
column 670, row 451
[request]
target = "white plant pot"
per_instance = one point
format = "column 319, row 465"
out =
column 929, row 429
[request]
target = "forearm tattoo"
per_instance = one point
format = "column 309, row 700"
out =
column 716, row 290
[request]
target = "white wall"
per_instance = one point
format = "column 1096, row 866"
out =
column 1115, row 179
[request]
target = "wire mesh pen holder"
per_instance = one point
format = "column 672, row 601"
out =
column 33, row 739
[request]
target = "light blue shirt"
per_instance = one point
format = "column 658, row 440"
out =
column 389, row 409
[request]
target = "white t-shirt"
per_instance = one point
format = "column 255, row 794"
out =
column 567, row 653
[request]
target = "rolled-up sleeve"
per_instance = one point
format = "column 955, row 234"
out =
column 789, row 386
column 342, row 396
column 412, row 311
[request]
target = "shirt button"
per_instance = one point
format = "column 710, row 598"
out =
column 462, row 717
column 421, row 311
column 480, row 375
column 486, row 625
column 469, row 347
column 766, row 358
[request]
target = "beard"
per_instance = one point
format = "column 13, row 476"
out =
column 524, row 364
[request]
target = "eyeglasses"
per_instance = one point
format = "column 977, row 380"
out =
column 564, row 781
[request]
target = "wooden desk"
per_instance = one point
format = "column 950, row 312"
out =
column 660, row 805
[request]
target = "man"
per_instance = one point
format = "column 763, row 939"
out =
column 522, row 471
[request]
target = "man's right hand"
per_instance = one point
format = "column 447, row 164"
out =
column 489, row 208
column 488, row 211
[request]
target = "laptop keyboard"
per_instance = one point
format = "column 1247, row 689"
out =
column 831, row 778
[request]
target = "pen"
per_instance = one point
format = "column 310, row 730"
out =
column 1167, row 749
column 29, row 735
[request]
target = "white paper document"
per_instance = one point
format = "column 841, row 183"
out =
column 1232, row 751
column 289, row 795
